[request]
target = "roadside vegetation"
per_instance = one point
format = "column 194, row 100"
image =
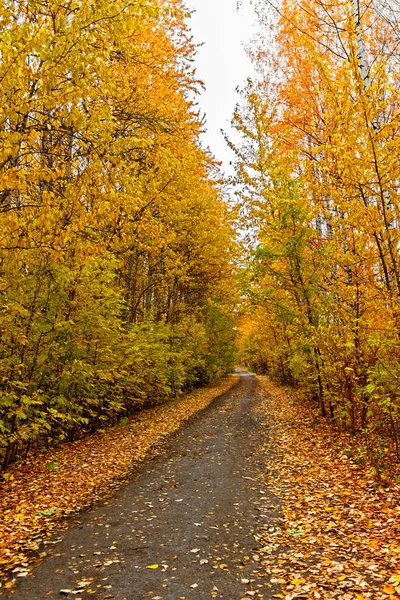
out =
column 319, row 191
column 116, row 244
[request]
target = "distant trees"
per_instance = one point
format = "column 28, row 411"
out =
column 115, row 242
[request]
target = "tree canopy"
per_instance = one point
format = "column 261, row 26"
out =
column 116, row 243
column 319, row 184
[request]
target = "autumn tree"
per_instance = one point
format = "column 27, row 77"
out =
column 115, row 240
column 319, row 182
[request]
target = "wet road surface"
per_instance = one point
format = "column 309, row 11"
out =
column 184, row 527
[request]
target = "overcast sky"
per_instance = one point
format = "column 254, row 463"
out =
column 222, row 63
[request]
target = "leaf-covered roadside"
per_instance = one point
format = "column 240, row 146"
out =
column 340, row 533
column 40, row 492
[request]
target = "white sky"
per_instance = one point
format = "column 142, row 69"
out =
column 221, row 63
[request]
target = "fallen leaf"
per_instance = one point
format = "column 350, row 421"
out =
column 48, row 512
column 389, row 589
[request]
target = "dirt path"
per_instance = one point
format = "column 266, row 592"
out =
column 184, row 527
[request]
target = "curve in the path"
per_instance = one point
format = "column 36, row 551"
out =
column 183, row 528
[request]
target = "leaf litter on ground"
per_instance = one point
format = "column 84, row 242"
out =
column 339, row 536
column 35, row 499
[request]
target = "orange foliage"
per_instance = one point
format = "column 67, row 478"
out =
column 320, row 174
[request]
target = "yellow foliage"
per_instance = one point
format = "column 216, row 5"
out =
column 116, row 244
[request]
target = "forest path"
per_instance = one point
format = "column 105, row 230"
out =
column 182, row 528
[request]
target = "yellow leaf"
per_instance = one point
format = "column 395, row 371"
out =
column 389, row 589
column 152, row 567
